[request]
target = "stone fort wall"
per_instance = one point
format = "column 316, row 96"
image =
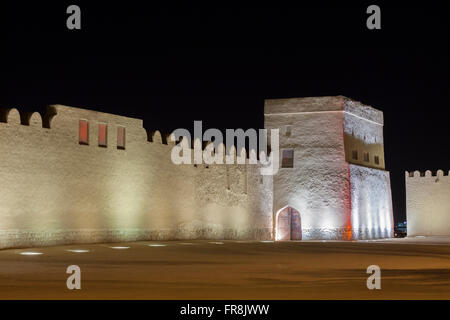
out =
column 57, row 191
column 428, row 203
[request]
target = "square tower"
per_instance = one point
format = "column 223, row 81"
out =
column 331, row 180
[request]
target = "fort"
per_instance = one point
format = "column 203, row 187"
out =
column 81, row 176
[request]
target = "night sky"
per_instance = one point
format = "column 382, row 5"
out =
column 173, row 65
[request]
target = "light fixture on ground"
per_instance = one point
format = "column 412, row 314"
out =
column 30, row 253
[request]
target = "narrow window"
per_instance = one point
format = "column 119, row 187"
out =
column 366, row 156
column 287, row 130
column 287, row 158
column 377, row 159
column 228, row 177
column 83, row 134
column 121, row 138
column 355, row 155
column 245, row 180
column 102, row 135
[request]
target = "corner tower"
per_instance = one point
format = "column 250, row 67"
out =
column 331, row 183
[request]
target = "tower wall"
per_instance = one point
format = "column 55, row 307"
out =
column 371, row 206
column 371, row 197
column 363, row 134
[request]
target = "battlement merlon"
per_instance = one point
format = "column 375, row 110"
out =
column 79, row 113
column 427, row 174
column 323, row 104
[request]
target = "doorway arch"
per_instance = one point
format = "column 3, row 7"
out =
column 288, row 224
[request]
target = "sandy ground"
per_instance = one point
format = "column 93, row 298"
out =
column 410, row 269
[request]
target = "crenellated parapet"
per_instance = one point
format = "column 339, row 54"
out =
column 13, row 116
column 209, row 148
column 426, row 174
column 10, row 116
column 64, row 121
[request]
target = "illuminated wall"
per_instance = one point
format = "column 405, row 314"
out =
column 54, row 190
column 363, row 135
column 428, row 203
column 371, row 200
column 371, row 206
column 330, row 191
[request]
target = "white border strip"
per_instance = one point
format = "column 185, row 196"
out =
column 331, row 111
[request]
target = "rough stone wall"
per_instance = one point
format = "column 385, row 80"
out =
column 56, row 191
column 371, row 203
column 304, row 105
column 363, row 133
column 428, row 203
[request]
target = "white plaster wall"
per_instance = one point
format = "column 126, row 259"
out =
column 371, row 204
column 428, row 204
column 55, row 191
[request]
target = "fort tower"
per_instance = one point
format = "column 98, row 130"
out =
column 331, row 183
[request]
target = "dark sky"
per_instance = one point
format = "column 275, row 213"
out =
column 173, row 65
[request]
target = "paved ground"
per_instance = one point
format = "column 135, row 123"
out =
column 230, row 270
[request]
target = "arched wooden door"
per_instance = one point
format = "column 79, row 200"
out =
column 288, row 224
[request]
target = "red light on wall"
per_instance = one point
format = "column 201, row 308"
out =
column 83, row 135
column 121, row 138
column 102, row 135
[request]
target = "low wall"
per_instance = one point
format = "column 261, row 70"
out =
column 428, row 203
